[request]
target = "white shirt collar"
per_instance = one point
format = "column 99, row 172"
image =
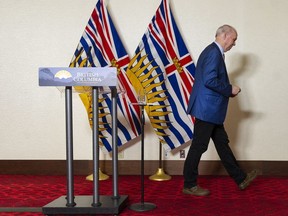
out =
column 221, row 49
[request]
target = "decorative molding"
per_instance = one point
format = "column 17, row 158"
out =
column 132, row 167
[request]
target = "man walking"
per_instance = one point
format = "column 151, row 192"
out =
column 208, row 104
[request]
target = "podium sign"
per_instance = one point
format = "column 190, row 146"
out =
column 96, row 78
column 84, row 76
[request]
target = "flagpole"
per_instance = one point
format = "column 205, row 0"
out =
column 160, row 175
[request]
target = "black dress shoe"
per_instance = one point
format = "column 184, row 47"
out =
column 249, row 178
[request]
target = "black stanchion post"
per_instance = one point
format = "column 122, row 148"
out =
column 95, row 139
column 114, row 143
column 142, row 206
column 69, row 147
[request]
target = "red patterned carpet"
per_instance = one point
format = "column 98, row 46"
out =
column 267, row 196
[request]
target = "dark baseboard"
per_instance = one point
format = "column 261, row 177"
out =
column 133, row 167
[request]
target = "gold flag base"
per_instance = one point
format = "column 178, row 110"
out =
column 102, row 176
column 160, row 176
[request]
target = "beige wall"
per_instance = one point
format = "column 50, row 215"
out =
column 36, row 33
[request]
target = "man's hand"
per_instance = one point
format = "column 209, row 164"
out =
column 235, row 90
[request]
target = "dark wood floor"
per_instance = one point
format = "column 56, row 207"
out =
column 132, row 167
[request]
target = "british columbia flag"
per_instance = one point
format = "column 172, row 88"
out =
column 101, row 46
column 167, row 78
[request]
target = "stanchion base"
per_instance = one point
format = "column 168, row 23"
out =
column 108, row 205
column 102, row 176
column 160, row 175
column 142, row 206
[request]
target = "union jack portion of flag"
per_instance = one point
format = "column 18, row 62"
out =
column 101, row 46
column 168, row 78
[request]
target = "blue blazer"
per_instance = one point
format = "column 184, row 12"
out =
column 211, row 90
